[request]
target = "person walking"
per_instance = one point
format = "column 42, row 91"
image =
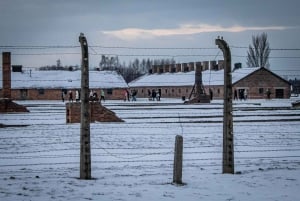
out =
column 157, row 95
column 211, row 94
column 102, row 95
column 63, row 95
column 153, row 94
column 245, row 94
column 70, row 96
column 125, row 95
column 235, row 97
column 91, row 95
column 149, row 95
column 268, row 94
column 134, row 92
column 77, row 97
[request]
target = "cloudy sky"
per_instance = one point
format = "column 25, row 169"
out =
column 147, row 25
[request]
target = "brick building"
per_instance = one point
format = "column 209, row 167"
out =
column 177, row 81
column 49, row 85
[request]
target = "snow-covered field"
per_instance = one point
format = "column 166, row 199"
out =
column 39, row 153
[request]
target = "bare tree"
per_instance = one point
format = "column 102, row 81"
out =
column 258, row 54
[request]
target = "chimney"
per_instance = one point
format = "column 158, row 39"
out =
column 160, row 69
column 191, row 66
column 172, row 68
column 185, row 67
column 178, row 68
column 6, row 75
column 221, row 64
column 198, row 65
column 213, row 65
column 166, row 68
column 205, row 65
column 154, row 69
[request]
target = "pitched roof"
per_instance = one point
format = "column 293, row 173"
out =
column 209, row 77
column 264, row 69
column 64, row 79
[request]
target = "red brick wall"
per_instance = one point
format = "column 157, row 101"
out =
column 178, row 92
column 261, row 81
column 98, row 113
column 6, row 75
column 55, row 94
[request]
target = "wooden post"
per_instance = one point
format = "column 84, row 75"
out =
column 85, row 145
column 228, row 150
column 177, row 167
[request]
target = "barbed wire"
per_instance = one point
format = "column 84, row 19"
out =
column 130, row 47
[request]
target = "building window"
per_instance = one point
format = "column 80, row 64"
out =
column 179, row 91
column 261, row 90
column 41, row 91
column 218, row 90
column 110, row 91
column 166, row 91
column 172, row 90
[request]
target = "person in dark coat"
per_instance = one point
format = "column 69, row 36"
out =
column 235, row 97
column 153, row 94
column 70, row 96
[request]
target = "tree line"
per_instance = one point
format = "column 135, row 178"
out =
column 133, row 69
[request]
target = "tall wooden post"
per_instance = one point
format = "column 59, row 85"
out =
column 228, row 149
column 85, row 145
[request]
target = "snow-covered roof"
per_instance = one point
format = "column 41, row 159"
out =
column 209, row 77
column 64, row 79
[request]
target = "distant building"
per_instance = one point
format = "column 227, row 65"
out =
column 49, row 85
column 176, row 81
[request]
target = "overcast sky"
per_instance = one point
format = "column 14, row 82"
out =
column 148, row 24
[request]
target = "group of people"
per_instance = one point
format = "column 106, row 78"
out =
column 92, row 97
column 154, row 94
column 241, row 94
column 130, row 95
column 69, row 95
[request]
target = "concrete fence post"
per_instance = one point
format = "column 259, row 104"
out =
column 177, row 167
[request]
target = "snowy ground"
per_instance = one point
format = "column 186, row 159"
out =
column 134, row 160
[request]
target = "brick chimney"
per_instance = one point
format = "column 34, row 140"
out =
column 166, row 68
column 221, row 64
column 6, row 75
column 185, row 67
column 154, row 69
column 178, row 68
column 198, row 65
column 191, row 66
column 205, row 65
column 172, row 68
column 160, row 69
column 213, row 65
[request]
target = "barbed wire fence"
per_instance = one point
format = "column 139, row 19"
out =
column 144, row 144
column 112, row 147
